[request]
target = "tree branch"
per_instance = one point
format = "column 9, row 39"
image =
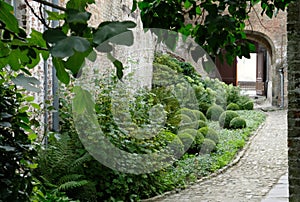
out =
column 50, row 4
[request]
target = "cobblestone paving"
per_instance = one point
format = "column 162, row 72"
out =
column 251, row 179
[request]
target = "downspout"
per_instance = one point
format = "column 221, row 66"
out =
column 55, row 114
column 281, row 87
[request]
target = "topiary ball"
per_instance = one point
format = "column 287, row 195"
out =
column 207, row 146
column 237, row 123
column 196, row 145
column 199, row 115
column 186, row 140
column 210, row 133
column 189, row 131
column 226, row 117
column 233, row 107
column 248, row 105
column 213, row 113
column 190, row 113
column 201, row 124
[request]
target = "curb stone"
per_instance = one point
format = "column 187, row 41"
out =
column 236, row 160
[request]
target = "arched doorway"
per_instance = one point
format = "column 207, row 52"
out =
column 253, row 75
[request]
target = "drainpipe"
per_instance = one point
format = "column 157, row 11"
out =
column 55, row 114
column 281, row 87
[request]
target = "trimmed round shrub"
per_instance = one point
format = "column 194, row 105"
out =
column 196, row 145
column 226, row 117
column 199, row 115
column 210, row 133
column 201, row 124
column 237, row 123
column 233, row 107
column 172, row 142
column 207, row 146
column 248, row 105
column 189, row 131
column 190, row 113
column 186, row 140
column 213, row 113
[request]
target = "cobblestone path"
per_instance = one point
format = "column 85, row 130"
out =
column 264, row 162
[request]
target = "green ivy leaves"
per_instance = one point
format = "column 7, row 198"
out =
column 8, row 18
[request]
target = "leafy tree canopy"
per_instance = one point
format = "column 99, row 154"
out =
column 215, row 25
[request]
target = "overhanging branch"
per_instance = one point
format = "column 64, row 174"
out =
column 50, row 4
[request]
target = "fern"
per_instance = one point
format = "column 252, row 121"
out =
column 69, row 178
column 80, row 161
column 72, row 185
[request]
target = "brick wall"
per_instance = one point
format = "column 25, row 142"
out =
column 293, row 28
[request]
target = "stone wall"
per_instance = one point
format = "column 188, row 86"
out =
column 271, row 33
column 293, row 55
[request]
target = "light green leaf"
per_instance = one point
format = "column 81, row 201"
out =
column 83, row 101
column 55, row 15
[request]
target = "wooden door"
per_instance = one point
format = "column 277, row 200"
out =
column 228, row 72
column 260, row 68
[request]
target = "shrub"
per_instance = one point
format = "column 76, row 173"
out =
column 186, row 140
column 237, row 123
column 199, row 115
column 233, row 107
column 190, row 113
column 195, row 147
column 17, row 154
column 189, row 131
column 210, row 133
column 201, row 124
column 172, row 141
column 248, row 105
column 207, row 146
column 226, row 117
column 213, row 113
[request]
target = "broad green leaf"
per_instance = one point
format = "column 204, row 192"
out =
column 75, row 62
column 61, row 73
column 55, row 15
column 92, row 56
column 108, row 30
column 118, row 64
column 198, row 10
column 125, row 39
column 74, row 16
column 29, row 83
column 80, row 44
column 6, row 16
column 79, row 4
column 83, row 101
column 63, row 48
column 37, row 39
column 4, row 50
column 54, row 35
column 35, row 105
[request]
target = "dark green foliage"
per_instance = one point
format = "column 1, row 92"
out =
column 233, row 107
column 207, row 146
column 202, row 124
column 190, row 113
column 248, row 105
column 213, row 113
column 210, row 134
column 237, row 123
column 226, row 117
column 199, row 115
column 186, row 139
column 16, row 149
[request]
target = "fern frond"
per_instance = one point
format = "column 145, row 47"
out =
column 69, row 178
column 80, row 161
column 72, row 185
